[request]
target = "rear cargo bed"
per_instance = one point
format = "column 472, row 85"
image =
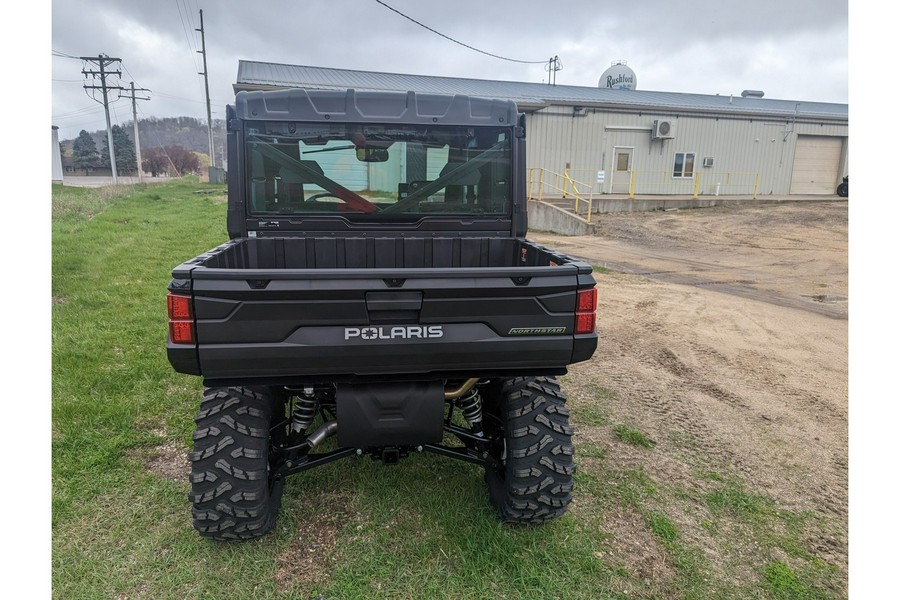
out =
column 379, row 253
column 293, row 308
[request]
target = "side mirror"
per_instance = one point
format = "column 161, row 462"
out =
column 371, row 154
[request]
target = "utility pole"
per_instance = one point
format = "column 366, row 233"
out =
column 205, row 73
column 137, row 138
column 103, row 61
column 553, row 66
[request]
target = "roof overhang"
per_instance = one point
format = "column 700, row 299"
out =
column 532, row 97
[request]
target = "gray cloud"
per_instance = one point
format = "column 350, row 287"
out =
column 795, row 50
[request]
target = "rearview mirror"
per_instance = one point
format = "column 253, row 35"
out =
column 371, row 154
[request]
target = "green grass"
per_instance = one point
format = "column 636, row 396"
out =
column 354, row 528
column 782, row 582
column 590, row 415
column 663, row 528
column 632, row 436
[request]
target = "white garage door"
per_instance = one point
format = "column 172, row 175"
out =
column 816, row 164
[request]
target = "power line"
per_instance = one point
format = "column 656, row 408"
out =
column 84, row 125
column 59, row 54
column 165, row 95
column 191, row 7
column 187, row 15
column 525, row 62
column 187, row 36
column 181, row 98
column 76, row 113
column 133, row 78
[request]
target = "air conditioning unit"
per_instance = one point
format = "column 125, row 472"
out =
column 662, row 130
column 707, row 161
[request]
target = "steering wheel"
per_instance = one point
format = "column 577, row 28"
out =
column 315, row 197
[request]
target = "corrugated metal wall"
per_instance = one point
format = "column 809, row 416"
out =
column 740, row 148
column 340, row 165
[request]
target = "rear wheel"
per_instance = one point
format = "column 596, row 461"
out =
column 529, row 423
column 231, row 480
column 843, row 189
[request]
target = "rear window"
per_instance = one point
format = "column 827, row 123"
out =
column 377, row 172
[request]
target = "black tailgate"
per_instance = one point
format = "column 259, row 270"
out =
column 302, row 323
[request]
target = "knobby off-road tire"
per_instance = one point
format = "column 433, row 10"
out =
column 534, row 484
column 231, row 491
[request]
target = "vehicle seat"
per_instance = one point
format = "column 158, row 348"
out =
column 291, row 186
column 463, row 188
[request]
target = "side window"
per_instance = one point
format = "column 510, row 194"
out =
column 684, row 164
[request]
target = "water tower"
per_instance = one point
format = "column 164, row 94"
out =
column 618, row 77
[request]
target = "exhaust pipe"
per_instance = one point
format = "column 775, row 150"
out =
column 319, row 435
column 461, row 390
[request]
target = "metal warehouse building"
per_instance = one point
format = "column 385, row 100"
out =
column 631, row 141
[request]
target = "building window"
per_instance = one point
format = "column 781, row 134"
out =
column 684, row 165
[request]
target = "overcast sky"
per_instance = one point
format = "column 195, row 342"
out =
column 790, row 49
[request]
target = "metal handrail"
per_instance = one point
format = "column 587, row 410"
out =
column 703, row 182
column 563, row 183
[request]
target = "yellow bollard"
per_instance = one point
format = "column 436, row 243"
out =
column 631, row 187
column 696, row 185
column 756, row 186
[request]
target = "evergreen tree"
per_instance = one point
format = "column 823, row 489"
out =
column 84, row 151
column 126, row 161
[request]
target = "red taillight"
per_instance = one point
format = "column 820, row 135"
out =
column 584, row 323
column 585, row 311
column 587, row 300
column 181, row 332
column 179, row 307
column 181, row 319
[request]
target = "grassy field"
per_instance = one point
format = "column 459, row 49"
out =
column 122, row 422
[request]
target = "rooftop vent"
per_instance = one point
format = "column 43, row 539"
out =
column 752, row 94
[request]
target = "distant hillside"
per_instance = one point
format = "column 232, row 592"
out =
column 188, row 132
